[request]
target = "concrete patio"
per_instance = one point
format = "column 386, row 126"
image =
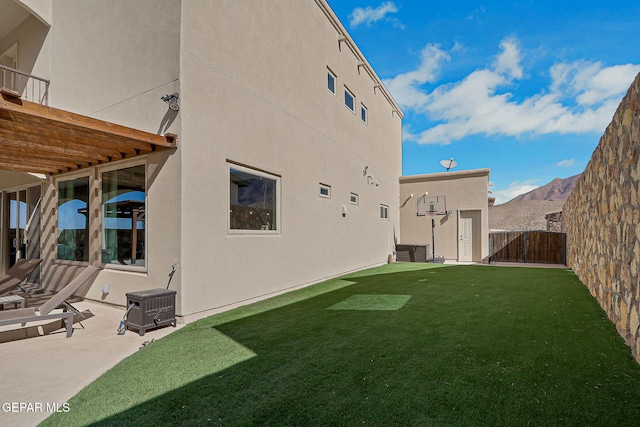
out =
column 43, row 383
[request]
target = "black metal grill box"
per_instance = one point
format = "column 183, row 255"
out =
column 150, row 309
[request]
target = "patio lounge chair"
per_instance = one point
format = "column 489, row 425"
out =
column 17, row 274
column 44, row 312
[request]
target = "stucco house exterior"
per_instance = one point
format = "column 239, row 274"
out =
column 249, row 143
column 461, row 231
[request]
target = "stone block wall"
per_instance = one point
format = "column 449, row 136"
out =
column 554, row 221
column 602, row 221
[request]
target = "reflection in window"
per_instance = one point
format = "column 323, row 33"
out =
column 252, row 203
column 73, row 219
column 384, row 212
column 331, row 82
column 349, row 100
column 17, row 226
column 123, row 210
column 325, row 191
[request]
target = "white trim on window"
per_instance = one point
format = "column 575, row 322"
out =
column 354, row 199
column 364, row 114
column 332, row 81
column 117, row 166
column 247, row 217
column 324, row 191
column 349, row 100
column 384, row 212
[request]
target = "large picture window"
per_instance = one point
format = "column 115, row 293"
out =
column 253, row 200
column 73, row 219
column 123, row 216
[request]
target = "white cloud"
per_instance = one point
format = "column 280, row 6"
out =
column 581, row 98
column 406, row 87
column 516, row 188
column 566, row 163
column 369, row 15
column 508, row 62
column 591, row 83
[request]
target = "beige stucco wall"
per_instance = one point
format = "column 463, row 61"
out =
column 252, row 78
column 466, row 196
column 33, row 39
column 41, row 9
column 255, row 77
column 113, row 61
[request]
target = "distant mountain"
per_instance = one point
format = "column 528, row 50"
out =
column 527, row 211
column 558, row 189
column 522, row 214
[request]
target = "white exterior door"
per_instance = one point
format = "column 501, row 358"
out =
column 466, row 240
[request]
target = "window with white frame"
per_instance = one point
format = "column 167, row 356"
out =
column 253, row 201
column 349, row 100
column 384, row 212
column 73, row 219
column 354, row 199
column 325, row 191
column 331, row 81
column 364, row 114
column 124, row 197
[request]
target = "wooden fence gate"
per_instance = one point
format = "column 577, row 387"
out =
column 528, row 246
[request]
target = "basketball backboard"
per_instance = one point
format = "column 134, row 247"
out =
column 431, row 206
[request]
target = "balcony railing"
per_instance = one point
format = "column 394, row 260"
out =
column 31, row 88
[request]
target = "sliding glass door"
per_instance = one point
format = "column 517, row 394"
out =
column 20, row 224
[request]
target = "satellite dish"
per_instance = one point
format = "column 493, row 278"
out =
column 448, row 164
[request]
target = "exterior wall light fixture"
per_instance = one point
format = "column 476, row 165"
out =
column 172, row 100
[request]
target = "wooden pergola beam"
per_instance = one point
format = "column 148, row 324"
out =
column 37, row 138
column 42, row 158
column 75, row 141
column 28, row 145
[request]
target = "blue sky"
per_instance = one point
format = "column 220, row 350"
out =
column 525, row 88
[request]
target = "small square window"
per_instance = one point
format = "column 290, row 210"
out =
column 349, row 100
column 325, row 191
column 384, row 212
column 331, row 82
column 354, row 199
column 364, row 114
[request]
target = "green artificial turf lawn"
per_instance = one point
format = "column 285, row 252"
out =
column 421, row 345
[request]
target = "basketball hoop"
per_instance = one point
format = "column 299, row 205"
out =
column 432, row 210
column 431, row 206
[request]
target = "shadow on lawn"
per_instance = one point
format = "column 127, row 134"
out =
column 471, row 346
